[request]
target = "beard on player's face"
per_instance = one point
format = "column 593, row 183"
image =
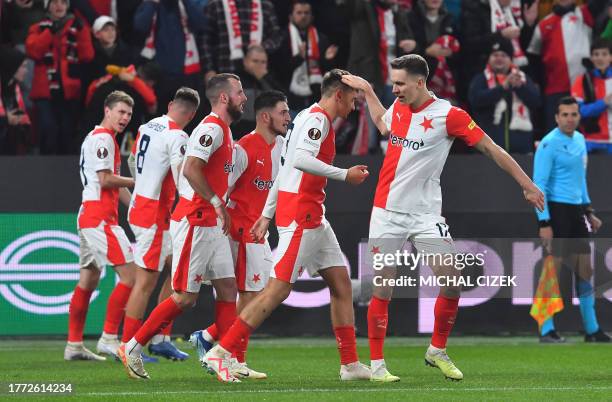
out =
column 235, row 110
column 277, row 127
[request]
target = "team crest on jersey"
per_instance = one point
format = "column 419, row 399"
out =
column 206, row 140
column 228, row 168
column 314, row 134
column 102, row 152
column 472, row 125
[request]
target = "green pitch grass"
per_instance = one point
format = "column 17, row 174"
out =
column 306, row 369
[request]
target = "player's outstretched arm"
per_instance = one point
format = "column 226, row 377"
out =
column 108, row 179
column 193, row 173
column 531, row 192
column 377, row 110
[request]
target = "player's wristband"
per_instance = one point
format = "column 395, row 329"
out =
column 216, row 201
column 544, row 223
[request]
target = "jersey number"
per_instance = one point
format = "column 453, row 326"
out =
column 144, row 145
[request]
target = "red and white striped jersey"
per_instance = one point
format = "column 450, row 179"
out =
column 256, row 165
column 562, row 42
column 158, row 150
column 212, row 142
column 300, row 194
column 419, row 143
column 99, row 151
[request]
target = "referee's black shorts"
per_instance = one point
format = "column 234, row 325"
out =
column 571, row 229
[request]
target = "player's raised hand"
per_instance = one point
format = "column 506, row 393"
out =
column 260, row 228
column 357, row 174
column 356, row 82
column 534, row 196
column 225, row 218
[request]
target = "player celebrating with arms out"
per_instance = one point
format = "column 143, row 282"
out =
column 157, row 157
column 200, row 223
column 256, row 165
column 408, row 199
column 306, row 239
column 101, row 240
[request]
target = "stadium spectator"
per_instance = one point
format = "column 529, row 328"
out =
column 255, row 78
column 171, row 28
column 436, row 41
column 58, row 44
column 16, row 19
column 561, row 40
column 379, row 33
column 502, row 97
column 485, row 21
column 15, row 124
column 234, row 25
column 108, row 50
column 121, row 11
column 138, row 83
column 560, row 171
column 593, row 90
column 304, row 55
column 18, row 16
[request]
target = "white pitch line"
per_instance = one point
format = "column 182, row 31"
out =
column 370, row 389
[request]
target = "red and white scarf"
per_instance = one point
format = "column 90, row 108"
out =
column 309, row 72
column 386, row 46
column 520, row 113
column 442, row 82
column 192, row 57
column 509, row 17
column 234, row 32
column 24, row 119
column 362, row 138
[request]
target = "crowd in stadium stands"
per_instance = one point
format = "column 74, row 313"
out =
column 507, row 61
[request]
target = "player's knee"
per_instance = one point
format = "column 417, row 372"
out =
column 127, row 274
column 89, row 278
column 226, row 289
column 341, row 288
column 184, row 300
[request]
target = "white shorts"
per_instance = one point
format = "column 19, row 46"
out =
column 104, row 245
column 253, row 263
column 199, row 254
column 390, row 230
column 311, row 249
column 153, row 245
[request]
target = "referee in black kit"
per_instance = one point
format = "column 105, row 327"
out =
column 560, row 172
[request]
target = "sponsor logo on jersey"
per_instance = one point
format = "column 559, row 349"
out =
column 102, row 152
column 406, row 142
column 206, row 140
column 262, row 184
column 183, row 149
column 314, row 134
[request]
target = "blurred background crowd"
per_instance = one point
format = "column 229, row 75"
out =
column 508, row 62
